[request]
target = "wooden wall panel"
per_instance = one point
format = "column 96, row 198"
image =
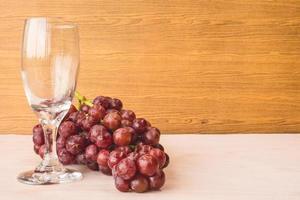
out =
column 208, row 66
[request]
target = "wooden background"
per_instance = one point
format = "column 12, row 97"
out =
column 188, row 66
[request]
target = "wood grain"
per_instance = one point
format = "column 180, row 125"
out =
column 187, row 66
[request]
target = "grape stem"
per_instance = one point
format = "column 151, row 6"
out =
column 82, row 100
column 132, row 146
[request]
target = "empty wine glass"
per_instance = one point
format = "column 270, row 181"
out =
column 50, row 62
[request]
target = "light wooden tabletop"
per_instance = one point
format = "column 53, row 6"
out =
column 206, row 167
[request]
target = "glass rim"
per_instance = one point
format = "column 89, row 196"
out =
column 57, row 22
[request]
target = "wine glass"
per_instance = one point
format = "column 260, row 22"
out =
column 50, row 62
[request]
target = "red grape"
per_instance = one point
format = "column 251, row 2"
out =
column 167, row 161
column 86, row 136
column 105, row 170
column 105, row 140
column 139, row 145
column 151, row 136
column 100, row 136
column 73, row 116
column 128, row 115
column 42, row 150
column 133, row 156
column 115, row 104
column 71, row 110
column 159, row 146
column 75, row 144
column 125, row 169
column 102, row 158
column 112, row 121
column 112, row 111
column 61, row 142
column 96, row 130
column 115, row 157
column 139, row 184
column 102, row 101
column 38, row 135
column 84, row 108
column 135, row 138
column 143, row 148
column 123, row 136
column 88, row 122
column 147, row 165
column 91, row 153
column 97, row 112
column 36, row 148
column 80, row 159
column 67, row 128
column 37, row 129
column 126, row 123
column 121, row 184
column 157, row 181
column 65, row 157
column 79, row 118
column 148, row 124
column 159, row 155
column 93, row 166
column 113, row 171
column 140, row 125
column 125, row 149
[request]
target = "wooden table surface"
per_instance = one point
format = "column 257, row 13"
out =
column 212, row 167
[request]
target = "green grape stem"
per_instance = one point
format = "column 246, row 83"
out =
column 82, row 100
column 132, row 147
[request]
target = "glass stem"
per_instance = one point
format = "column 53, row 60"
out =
column 50, row 161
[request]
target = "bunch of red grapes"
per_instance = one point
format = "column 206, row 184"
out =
column 105, row 137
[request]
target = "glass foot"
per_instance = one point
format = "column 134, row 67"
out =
column 54, row 177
